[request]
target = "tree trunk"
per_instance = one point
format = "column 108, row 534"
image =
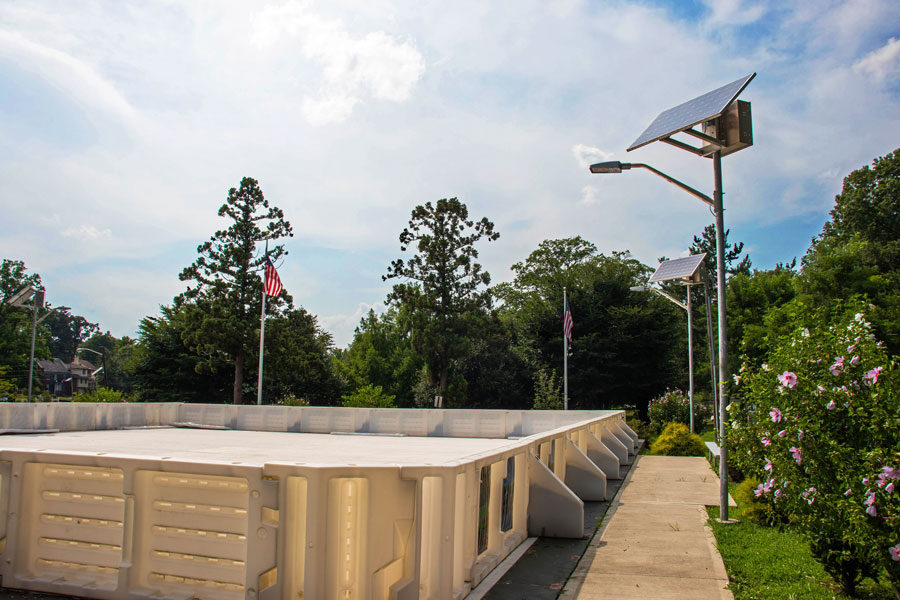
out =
column 238, row 377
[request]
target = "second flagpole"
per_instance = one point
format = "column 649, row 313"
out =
column 262, row 337
column 565, row 356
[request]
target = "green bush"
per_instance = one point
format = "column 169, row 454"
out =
column 369, row 396
column 293, row 400
column 677, row 440
column 102, row 394
column 753, row 507
column 644, row 430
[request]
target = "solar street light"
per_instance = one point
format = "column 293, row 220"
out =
column 726, row 127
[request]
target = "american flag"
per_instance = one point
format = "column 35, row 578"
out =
column 568, row 323
column 273, row 281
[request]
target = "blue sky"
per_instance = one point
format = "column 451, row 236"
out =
column 123, row 124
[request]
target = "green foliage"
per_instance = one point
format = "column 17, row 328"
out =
column 622, row 351
column 768, row 563
column 102, row 394
column 381, row 354
column 15, row 323
column 858, row 252
column 369, row 396
column 677, row 440
column 443, row 299
column 752, row 508
column 671, row 407
column 297, row 360
column 820, row 426
column 68, row 332
column 222, row 302
column 750, row 298
column 547, row 392
column 165, row 368
column 292, row 400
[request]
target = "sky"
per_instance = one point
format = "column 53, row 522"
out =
column 123, row 125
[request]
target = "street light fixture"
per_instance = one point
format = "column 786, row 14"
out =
column 725, row 128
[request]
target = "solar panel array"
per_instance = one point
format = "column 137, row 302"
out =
column 678, row 268
column 692, row 112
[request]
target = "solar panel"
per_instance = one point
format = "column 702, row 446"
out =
column 678, row 268
column 692, row 112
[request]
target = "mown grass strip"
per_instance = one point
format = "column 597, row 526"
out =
column 765, row 563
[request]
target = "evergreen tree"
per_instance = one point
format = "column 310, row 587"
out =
column 225, row 287
column 445, row 293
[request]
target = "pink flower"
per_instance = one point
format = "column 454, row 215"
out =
column 782, row 433
column 797, row 454
column 768, row 466
column 871, row 378
column 765, row 440
column 775, row 415
column 788, row 379
column 889, row 488
column 830, row 405
column 891, row 472
column 778, row 493
column 872, row 511
column 800, row 434
column 895, row 552
column 848, row 492
column 854, row 360
column 838, row 367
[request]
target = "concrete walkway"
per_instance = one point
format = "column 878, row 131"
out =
column 654, row 541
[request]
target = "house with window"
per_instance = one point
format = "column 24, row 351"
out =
column 55, row 377
column 65, row 379
column 82, row 374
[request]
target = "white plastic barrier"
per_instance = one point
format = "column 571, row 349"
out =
column 382, row 511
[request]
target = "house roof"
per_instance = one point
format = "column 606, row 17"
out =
column 79, row 363
column 53, row 366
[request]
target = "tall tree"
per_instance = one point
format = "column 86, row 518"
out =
column 68, row 332
column 445, row 292
column 15, row 324
column 706, row 242
column 224, row 293
column 858, row 251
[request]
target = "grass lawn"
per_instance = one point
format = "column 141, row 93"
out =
column 764, row 563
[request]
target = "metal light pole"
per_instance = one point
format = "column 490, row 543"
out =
column 687, row 307
column 716, row 203
column 37, row 303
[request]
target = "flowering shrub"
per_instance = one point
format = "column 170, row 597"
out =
column 671, row 407
column 819, row 427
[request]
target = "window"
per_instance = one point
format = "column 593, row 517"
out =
column 484, row 507
column 509, row 482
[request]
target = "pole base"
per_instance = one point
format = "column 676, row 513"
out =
column 727, row 521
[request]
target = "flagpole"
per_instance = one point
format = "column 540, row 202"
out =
column 565, row 357
column 262, row 337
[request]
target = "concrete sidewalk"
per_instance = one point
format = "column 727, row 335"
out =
column 654, row 541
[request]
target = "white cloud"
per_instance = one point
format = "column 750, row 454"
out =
column 734, row 12
column 353, row 67
column 342, row 326
column 589, row 195
column 86, row 233
column 881, row 64
column 587, row 155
